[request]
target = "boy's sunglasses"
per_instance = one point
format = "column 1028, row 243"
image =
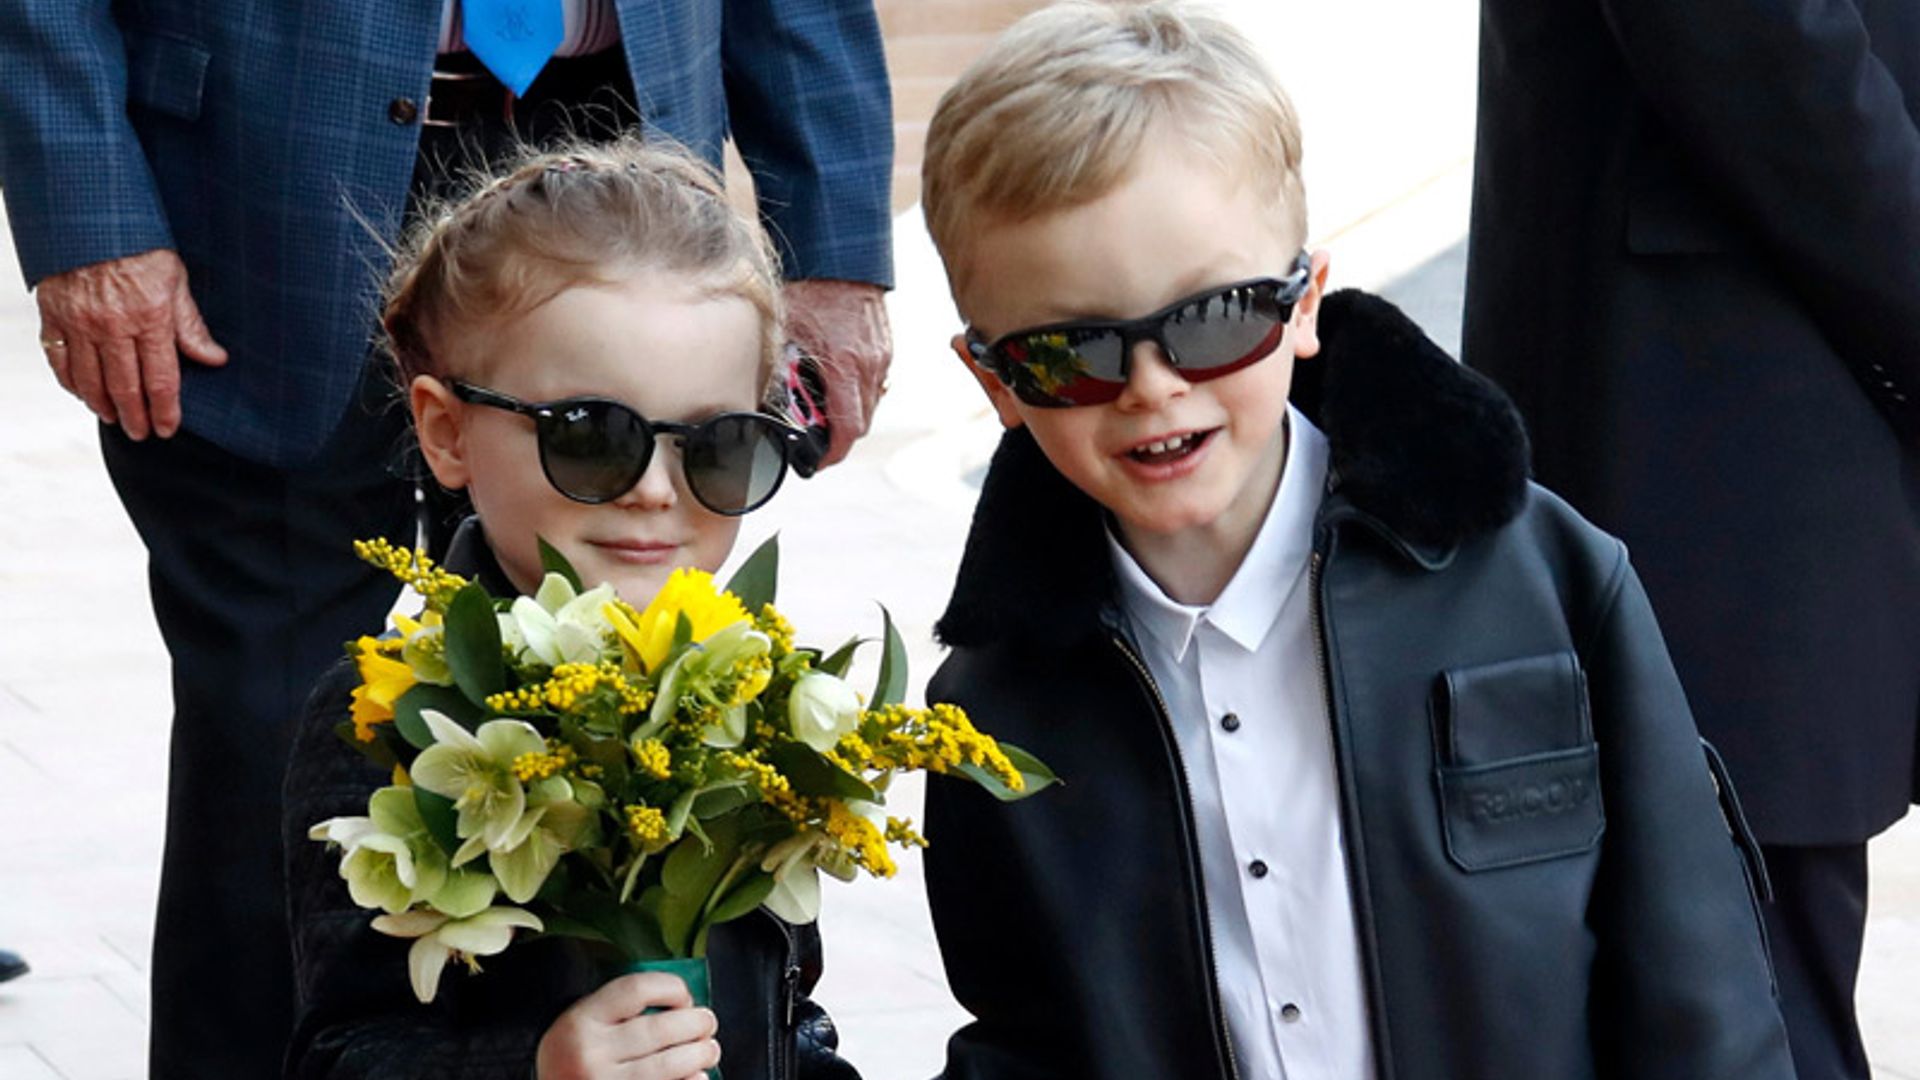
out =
column 1205, row 336
column 594, row 450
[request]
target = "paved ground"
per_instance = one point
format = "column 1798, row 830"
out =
column 83, row 681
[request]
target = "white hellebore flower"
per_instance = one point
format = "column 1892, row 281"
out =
column 557, row 625
column 391, row 860
column 796, row 878
column 438, row 937
column 475, row 770
column 822, row 709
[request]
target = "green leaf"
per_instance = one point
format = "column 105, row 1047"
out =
column 891, row 687
column 692, row 868
column 677, row 916
column 842, row 658
column 758, row 578
column 682, row 633
column 712, row 804
column 441, row 819
column 473, row 645
column 379, row 751
column 813, row 775
column 407, row 707
column 742, row 898
column 608, row 753
column 1031, row 769
column 553, row 562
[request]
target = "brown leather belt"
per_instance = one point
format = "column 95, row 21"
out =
column 464, row 92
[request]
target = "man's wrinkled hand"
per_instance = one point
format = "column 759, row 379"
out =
column 114, row 333
column 844, row 325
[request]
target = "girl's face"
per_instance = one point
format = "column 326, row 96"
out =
column 665, row 347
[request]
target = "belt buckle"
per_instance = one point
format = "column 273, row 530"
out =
column 456, row 96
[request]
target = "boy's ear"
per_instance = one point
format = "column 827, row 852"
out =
column 997, row 392
column 1306, row 313
column 436, row 423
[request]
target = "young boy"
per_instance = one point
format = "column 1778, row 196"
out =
column 1375, row 764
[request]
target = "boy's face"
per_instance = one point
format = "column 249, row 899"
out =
column 1174, row 228
column 665, row 348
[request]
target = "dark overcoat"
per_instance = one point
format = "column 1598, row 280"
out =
column 1695, row 265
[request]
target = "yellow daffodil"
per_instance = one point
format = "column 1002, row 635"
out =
column 382, row 680
column 687, row 592
column 438, row 938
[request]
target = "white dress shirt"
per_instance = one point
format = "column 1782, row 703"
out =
column 1242, row 681
column 592, row 25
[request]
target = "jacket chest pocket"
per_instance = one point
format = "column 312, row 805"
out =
column 1518, row 771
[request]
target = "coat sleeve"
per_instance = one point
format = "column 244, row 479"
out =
column 976, row 904
column 1683, row 988
column 77, row 186
column 1786, row 111
column 356, row 1017
column 811, row 109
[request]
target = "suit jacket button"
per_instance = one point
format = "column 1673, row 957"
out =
column 402, row 111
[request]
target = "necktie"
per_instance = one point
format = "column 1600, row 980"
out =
column 514, row 38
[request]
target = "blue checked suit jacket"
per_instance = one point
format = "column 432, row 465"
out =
column 250, row 134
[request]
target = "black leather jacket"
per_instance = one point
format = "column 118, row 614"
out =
column 357, row 1016
column 1545, row 885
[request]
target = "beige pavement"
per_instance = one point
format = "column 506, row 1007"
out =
column 1385, row 88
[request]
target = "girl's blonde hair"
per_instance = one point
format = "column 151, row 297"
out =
column 584, row 213
column 1062, row 105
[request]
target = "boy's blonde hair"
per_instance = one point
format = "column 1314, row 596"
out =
column 585, row 213
column 1060, row 107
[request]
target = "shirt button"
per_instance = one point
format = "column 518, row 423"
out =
column 1290, row 1013
column 402, row 111
column 1257, row 868
column 1231, row 721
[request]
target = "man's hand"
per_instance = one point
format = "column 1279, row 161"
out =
column 610, row 1033
column 114, row 332
column 844, row 325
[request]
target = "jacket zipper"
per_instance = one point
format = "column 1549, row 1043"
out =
column 1216, row 1010
column 1349, row 817
column 783, row 1045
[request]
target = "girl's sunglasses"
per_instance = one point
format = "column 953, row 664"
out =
column 594, row 450
column 1205, row 336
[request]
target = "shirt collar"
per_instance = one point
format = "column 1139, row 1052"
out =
column 1274, row 566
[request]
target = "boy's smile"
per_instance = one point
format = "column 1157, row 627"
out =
column 1187, row 469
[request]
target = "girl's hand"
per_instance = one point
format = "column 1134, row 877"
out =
column 609, row 1033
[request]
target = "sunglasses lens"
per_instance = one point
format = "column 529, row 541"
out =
column 735, row 462
column 595, row 451
column 1225, row 331
column 1067, row 367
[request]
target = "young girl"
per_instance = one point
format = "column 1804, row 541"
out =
column 585, row 342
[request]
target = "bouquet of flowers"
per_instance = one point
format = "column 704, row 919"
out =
column 630, row 777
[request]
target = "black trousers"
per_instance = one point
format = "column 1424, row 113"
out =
column 1815, row 927
column 255, row 588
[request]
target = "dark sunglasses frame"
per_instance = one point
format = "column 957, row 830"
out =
column 1099, row 388
column 547, row 414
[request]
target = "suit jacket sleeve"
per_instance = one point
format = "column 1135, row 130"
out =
column 1681, row 972
column 811, row 110
column 1785, row 109
column 77, row 187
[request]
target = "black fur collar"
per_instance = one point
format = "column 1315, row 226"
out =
column 1426, row 451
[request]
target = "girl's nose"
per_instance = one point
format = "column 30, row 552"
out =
column 656, row 488
column 1152, row 382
